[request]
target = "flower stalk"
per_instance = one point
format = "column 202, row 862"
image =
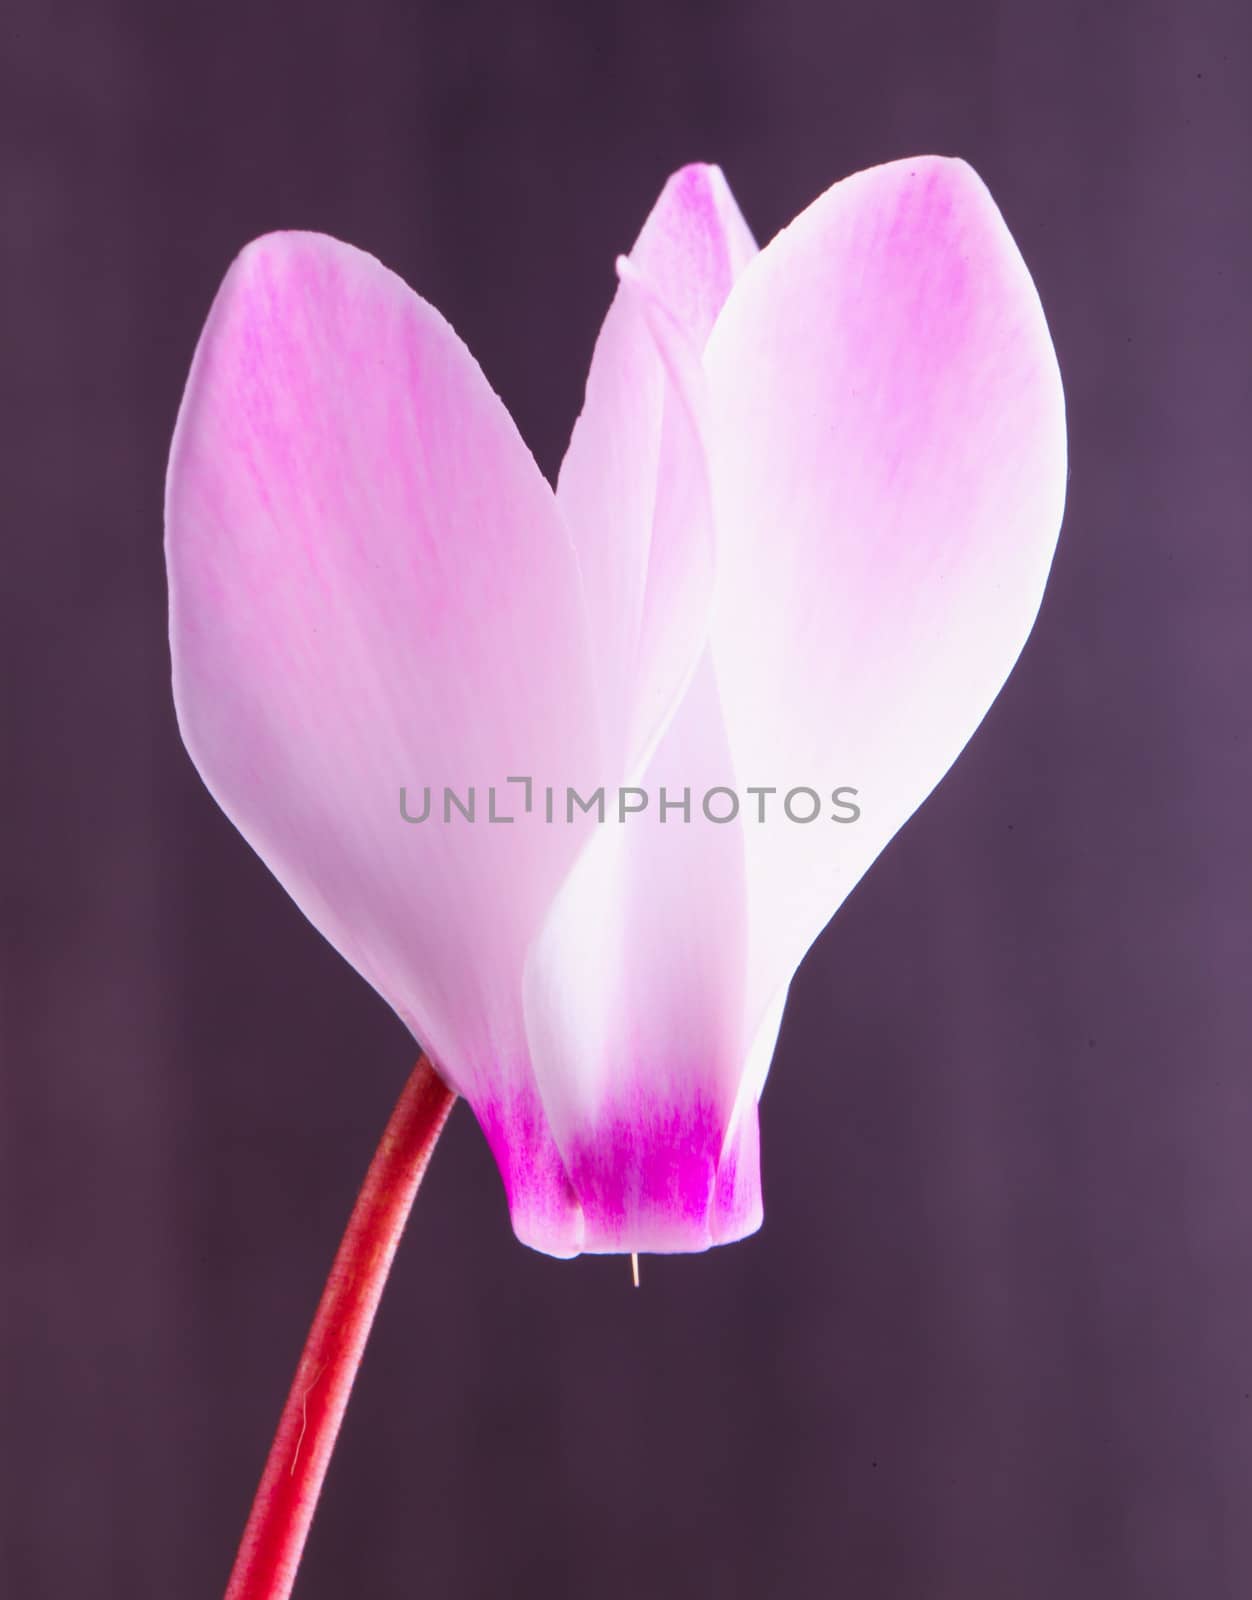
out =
column 286, row 1499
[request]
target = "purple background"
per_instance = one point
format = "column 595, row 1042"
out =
column 996, row 1337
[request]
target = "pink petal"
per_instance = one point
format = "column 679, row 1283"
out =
column 371, row 587
column 634, row 991
column 632, row 487
column 888, row 441
column 634, row 1009
column 694, row 246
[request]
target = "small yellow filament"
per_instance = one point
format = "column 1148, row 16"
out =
column 634, row 1267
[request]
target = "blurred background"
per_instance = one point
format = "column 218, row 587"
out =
column 995, row 1339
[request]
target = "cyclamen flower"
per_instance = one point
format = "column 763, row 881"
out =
column 799, row 538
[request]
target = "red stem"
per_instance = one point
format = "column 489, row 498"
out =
column 273, row 1540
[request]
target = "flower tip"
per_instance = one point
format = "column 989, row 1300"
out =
column 952, row 172
column 279, row 244
column 698, row 172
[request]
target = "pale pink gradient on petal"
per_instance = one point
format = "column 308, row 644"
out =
column 634, row 989
column 888, row 440
column 694, row 246
column 632, row 487
column 371, row 586
column 634, row 1003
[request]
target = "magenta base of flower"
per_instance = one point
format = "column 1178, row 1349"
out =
column 661, row 1180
